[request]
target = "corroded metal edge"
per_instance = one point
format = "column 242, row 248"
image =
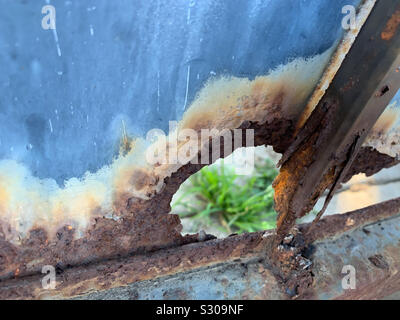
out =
column 335, row 225
column 139, row 225
column 119, row 272
column 86, row 279
column 328, row 143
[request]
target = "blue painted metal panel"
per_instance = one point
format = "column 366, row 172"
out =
column 65, row 94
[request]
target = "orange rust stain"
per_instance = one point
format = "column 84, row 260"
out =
column 288, row 182
column 223, row 104
column 391, row 26
column 285, row 184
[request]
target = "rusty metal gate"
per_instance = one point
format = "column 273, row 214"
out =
column 78, row 193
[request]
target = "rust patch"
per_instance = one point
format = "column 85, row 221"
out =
column 391, row 26
column 293, row 269
column 104, row 275
column 334, row 225
column 146, row 225
column 290, row 266
column 139, row 225
column 296, row 160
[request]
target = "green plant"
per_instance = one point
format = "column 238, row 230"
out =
column 236, row 205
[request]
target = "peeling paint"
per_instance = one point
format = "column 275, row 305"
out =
column 123, row 208
column 27, row 202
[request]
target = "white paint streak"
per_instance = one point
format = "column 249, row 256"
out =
column 51, row 126
column 187, row 87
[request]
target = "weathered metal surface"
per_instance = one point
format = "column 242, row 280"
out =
column 120, row 208
column 374, row 253
column 75, row 96
column 337, row 59
column 123, row 208
column 240, row 280
column 141, row 225
column 327, row 145
column 145, row 228
column 119, row 272
column 335, row 225
column 197, row 270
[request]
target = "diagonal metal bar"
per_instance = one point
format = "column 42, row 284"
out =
column 360, row 92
